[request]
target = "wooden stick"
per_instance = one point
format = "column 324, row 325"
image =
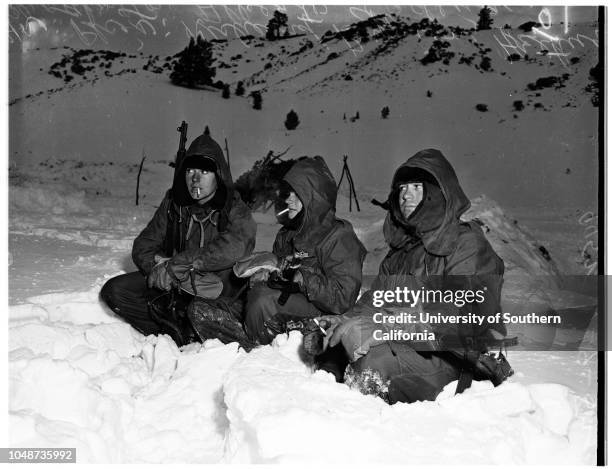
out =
column 352, row 187
column 227, row 153
column 138, row 177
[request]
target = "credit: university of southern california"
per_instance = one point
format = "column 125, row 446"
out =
column 426, row 319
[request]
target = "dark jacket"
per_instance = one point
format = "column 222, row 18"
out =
column 434, row 249
column 332, row 272
column 210, row 237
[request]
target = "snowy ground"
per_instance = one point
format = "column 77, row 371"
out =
column 80, row 377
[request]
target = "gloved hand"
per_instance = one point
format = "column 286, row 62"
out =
column 160, row 277
column 259, row 277
column 277, row 282
column 355, row 333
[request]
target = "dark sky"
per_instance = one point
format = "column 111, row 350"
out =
column 164, row 29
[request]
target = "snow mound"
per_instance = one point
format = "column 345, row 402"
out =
column 280, row 412
column 81, row 378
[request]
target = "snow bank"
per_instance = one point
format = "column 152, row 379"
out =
column 82, row 378
column 38, row 199
column 280, row 412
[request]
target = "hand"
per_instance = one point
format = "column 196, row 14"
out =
column 316, row 341
column 276, row 282
column 355, row 333
column 259, row 277
column 160, row 278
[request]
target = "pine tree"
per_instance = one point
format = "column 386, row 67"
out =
column 226, row 92
column 484, row 19
column 194, row 65
column 292, row 120
column 256, row 100
column 240, row 89
column 279, row 20
column 384, row 113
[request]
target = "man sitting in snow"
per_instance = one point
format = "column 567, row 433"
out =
column 320, row 258
column 431, row 249
column 199, row 231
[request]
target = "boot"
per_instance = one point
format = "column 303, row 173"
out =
column 213, row 320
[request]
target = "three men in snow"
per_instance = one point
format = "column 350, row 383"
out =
column 202, row 228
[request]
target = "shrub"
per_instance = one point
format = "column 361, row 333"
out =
column 292, row 120
column 240, row 88
column 257, row 99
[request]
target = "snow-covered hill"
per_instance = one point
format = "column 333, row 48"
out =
column 81, row 377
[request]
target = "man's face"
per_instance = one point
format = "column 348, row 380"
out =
column 410, row 195
column 201, row 184
column 294, row 204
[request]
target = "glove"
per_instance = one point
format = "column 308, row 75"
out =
column 277, row 282
column 259, row 277
column 356, row 334
column 160, row 278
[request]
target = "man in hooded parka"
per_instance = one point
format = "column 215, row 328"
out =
column 325, row 274
column 201, row 228
column 430, row 249
column 328, row 278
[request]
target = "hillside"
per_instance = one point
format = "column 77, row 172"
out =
column 121, row 91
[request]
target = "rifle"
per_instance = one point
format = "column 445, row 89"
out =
column 180, row 154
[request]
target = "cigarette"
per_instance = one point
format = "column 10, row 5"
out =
column 198, row 191
column 282, row 212
column 316, row 321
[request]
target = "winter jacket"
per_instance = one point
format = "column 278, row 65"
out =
column 332, row 271
column 434, row 249
column 209, row 237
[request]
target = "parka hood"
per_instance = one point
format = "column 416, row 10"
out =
column 205, row 148
column 436, row 219
column 314, row 184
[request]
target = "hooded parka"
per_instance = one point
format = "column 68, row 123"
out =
column 431, row 250
column 435, row 250
column 331, row 271
column 209, row 237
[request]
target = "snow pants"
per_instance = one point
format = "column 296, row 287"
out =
column 128, row 296
column 412, row 376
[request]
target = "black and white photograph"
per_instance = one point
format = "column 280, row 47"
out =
column 290, row 234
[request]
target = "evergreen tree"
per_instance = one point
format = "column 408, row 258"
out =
column 292, row 120
column 279, row 20
column 240, row 89
column 484, row 19
column 385, row 112
column 226, row 92
column 194, row 65
column 256, row 100
column 362, row 32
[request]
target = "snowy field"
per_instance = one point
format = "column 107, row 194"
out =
column 80, row 377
